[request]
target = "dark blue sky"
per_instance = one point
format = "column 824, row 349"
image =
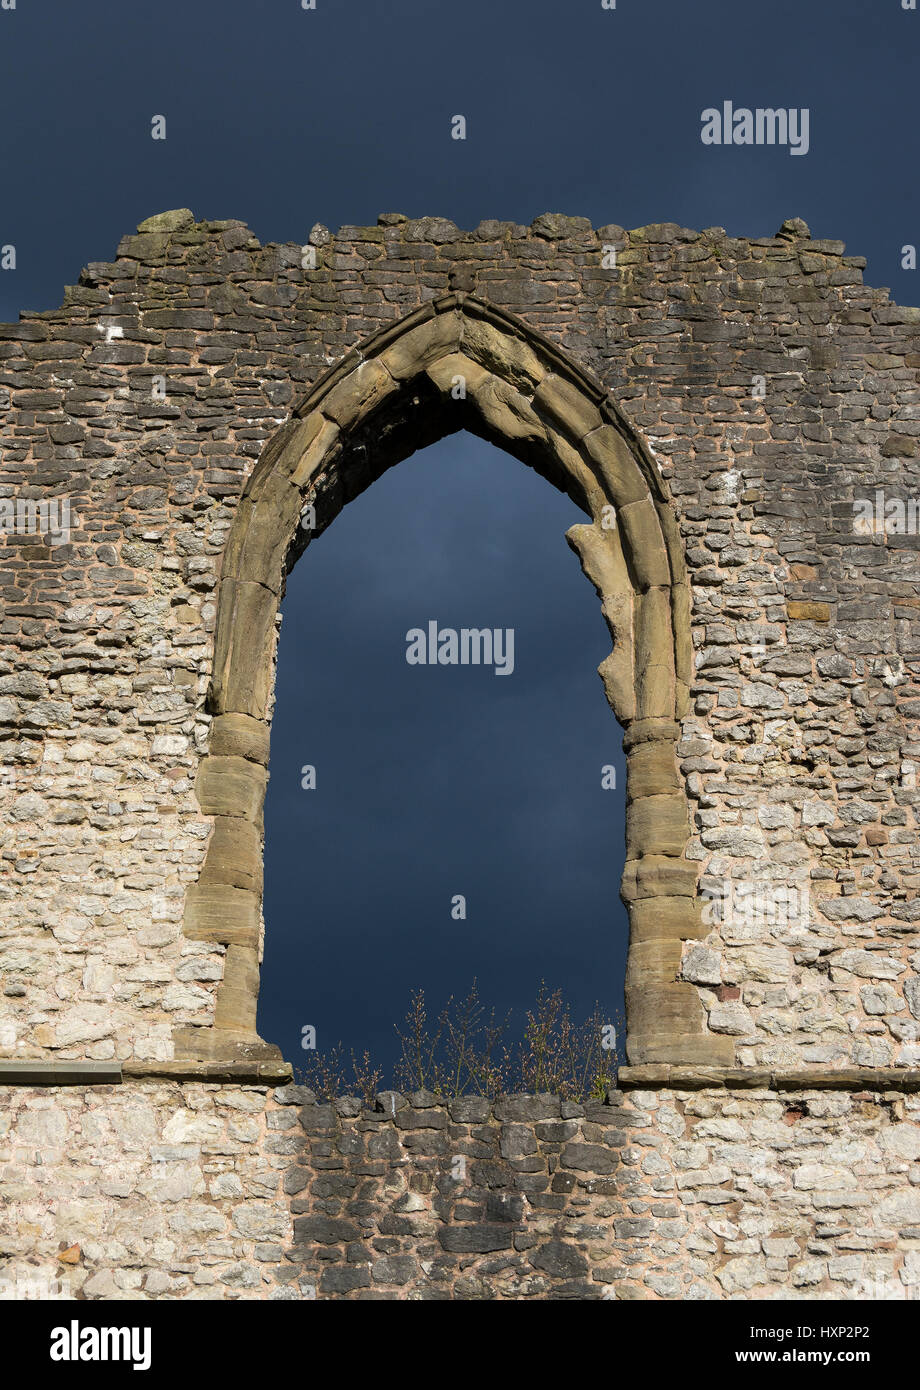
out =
column 433, row 781
column 285, row 117
column 444, row 781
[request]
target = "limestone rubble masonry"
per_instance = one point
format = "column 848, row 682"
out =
column 735, row 397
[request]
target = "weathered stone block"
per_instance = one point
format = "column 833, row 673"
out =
column 234, row 854
column 239, row 736
column 417, row 349
column 656, row 825
column 567, row 406
column 651, row 770
column 231, row 786
column 217, row 912
column 664, row 917
column 358, row 394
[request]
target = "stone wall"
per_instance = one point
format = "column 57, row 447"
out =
column 146, row 400
column 736, row 401
column 196, row 1191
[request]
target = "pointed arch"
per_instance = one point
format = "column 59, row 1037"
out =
column 459, row 363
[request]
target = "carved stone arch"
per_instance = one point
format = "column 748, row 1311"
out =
column 459, row 363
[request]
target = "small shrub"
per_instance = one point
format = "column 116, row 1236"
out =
column 467, row 1052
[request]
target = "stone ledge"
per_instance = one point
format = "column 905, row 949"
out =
column 41, row 1072
column 254, row 1072
column 652, row 1078
column 37, row 1071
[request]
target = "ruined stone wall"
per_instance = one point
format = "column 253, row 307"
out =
column 165, row 1191
column 799, row 747
column 773, row 390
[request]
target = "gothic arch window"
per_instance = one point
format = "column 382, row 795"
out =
column 458, row 363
